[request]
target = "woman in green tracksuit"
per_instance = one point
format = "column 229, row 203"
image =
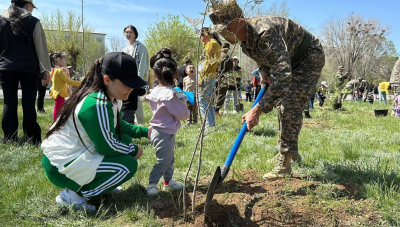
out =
column 88, row 150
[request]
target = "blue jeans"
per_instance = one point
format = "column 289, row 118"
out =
column 206, row 93
column 382, row 95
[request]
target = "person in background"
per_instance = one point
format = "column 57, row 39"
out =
column 322, row 93
column 383, row 89
column 256, row 82
column 24, row 55
column 233, row 88
column 364, row 89
column 208, row 74
column 248, row 89
column 129, row 106
column 89, row 151
column 169, row 108
column 60, row 80
column 224, row 73
column 189, row 84
column 182, row 73
column 41, row 94
column 139, row 52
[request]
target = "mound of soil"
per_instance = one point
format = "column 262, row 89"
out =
column 250, row 201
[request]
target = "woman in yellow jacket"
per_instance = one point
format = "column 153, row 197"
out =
column 60, row 80
column 212, row 51
column 383, row 89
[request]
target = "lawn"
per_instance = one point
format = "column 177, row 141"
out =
column 348, row 148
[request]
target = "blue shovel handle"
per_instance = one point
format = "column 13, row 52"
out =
column 239, row 139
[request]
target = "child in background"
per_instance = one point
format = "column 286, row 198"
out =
column 248, row 90
column 169, row 108
column 189, row 84
column 397, row 104
column 60, row 81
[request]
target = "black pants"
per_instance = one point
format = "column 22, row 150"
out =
column 248, row 96
column 220, row 96
column 29, row 86
column 41, row 94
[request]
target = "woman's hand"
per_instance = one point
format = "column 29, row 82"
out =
column 139, row 153
column 150, row 128
column 252, row 117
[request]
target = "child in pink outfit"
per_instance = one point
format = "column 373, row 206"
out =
column 169, row 108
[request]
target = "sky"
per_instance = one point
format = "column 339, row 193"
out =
column 111, row 16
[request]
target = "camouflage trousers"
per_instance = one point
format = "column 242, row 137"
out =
column 290, row 105
column 396, row 92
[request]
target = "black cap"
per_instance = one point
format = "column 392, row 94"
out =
column 122, row 66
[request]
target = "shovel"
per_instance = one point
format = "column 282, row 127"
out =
column 221, row 173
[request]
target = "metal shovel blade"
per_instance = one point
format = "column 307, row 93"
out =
column 211, row 190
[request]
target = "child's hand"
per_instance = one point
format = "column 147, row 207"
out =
column 150, row 128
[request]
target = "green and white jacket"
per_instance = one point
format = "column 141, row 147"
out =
column 96, row 121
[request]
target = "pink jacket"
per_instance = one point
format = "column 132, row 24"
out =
column 168, row 107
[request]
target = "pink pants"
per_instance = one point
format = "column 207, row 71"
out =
column 57, row 105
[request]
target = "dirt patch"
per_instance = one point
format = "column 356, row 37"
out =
column 250, row 201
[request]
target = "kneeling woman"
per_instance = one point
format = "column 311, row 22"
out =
column 88, row 150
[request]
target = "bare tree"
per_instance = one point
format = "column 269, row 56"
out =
column 64, row 32
column 348, row 39
column 117, row 43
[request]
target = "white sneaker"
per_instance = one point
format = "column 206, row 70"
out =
column 235, row 112
column 173, row 186
column 225, row 112
column 68, row 198
column 116, row 190
column 152, row 190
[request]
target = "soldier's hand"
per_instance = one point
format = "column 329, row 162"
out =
column 252, row 117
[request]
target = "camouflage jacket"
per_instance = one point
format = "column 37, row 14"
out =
column 271, row 42
column 395, row 77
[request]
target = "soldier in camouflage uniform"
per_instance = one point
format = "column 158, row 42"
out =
column 395, row 83
column 285, row 49
column 339, row 82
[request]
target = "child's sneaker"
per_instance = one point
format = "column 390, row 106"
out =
column 152, row 190
column 68, row 198
column 173, row 186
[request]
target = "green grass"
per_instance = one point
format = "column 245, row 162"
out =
column 340, row 146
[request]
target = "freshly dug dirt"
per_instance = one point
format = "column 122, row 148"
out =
column 250, row 201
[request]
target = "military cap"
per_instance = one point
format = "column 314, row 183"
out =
column 341, row 67
column 225, row 11
column 360, row 78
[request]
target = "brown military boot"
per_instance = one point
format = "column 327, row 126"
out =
column 281, row 169
column 296, row 158
column 274, row 159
